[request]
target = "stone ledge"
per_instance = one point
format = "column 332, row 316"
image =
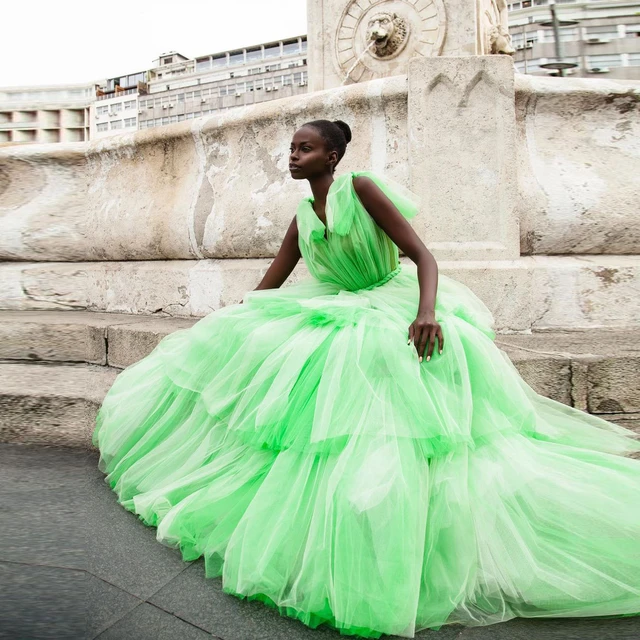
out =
column 533, row 292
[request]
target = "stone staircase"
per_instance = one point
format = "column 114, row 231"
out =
column 56, row 366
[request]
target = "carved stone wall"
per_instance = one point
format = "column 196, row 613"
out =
column 358, row 40
column 462, row 137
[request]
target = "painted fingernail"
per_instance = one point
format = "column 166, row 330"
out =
column 428, row 358
column 440, row 350
column 420, row 359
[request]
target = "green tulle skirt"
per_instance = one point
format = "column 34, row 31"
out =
column 296, row 443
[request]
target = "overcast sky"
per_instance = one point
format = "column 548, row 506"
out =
column 76, row 41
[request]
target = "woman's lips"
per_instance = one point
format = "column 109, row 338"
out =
column 293, row 167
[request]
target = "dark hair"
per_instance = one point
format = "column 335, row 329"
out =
column 336, row 134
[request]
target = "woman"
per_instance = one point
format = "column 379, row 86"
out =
column 326, row 466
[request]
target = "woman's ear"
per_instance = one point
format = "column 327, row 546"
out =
column 332, row 159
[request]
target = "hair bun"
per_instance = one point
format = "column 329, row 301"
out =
column 344, row 127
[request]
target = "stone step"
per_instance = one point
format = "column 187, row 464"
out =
column 51, row 404
column 113, row 339
column 595, row 371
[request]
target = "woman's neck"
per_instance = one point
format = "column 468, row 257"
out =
column 320, row 188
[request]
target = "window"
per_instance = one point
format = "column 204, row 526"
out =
column 102, row 126
column 130, row 104
column 202, row 64
column 290, row 48
column 272, row 52
column 116, row 108
column 608, row 60
column 286, row 80
column 220, row 60
column 254, row 54
column 116, row 124
column 236, row 58
column 607, row 32
column 180, row 97
column 129, row 122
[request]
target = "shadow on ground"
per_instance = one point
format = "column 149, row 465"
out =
column 74, row 564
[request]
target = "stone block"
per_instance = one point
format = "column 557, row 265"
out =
column 53, row 405
column 462, row 137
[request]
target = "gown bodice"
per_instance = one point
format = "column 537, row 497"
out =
column 356, row 253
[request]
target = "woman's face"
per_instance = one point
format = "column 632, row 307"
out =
column 308, row 156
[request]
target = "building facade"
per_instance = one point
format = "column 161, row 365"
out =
column 45, row 113
column 605, row 41
column 177, row 88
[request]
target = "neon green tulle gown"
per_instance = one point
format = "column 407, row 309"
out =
column 296, row 442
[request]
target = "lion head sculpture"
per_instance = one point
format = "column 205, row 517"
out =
column 389, row 31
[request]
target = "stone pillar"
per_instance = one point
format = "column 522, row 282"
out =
column 358, row 40
column 462, row 146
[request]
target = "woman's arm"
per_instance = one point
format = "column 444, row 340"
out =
column 424, row 329
column 284, row 262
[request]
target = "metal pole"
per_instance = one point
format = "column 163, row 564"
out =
column 556, row 36
column 524, row 36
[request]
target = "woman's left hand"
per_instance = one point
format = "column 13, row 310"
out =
column 423, row 332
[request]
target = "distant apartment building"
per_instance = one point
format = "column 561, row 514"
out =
column 45, row 113
column 178, row 88
column 116, row 107
column 606, row 40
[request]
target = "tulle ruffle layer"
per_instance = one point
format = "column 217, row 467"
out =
column 297, row 444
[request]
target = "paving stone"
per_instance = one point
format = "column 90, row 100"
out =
column 147, row 622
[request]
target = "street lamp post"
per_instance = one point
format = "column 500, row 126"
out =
column 555, row 23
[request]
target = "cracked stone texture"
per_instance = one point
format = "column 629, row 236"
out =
column 529, row 293
column 51, row 404
column 218, row 186
column 75, row 565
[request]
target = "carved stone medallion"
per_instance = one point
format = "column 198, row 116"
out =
column 376, row 38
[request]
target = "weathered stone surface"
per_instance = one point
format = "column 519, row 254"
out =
column 219, row 187
column 73, row 336
column 578, row 165
column 339, row 32
column 462, row 139
column 535, row 292
column 54, row 404
column 216, row 186
column 614, row 384
column 595, row 371
column 129, row 343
